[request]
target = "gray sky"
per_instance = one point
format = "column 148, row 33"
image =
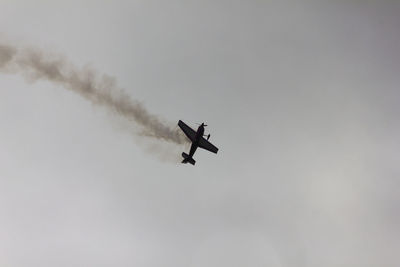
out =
column 301, row 98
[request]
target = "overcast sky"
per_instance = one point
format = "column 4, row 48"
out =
column 302, row 99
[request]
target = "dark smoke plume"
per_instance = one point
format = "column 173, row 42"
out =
column 99, row 89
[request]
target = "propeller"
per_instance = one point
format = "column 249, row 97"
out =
column 201, row 124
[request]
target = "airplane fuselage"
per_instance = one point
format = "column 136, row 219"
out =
column 195, row 143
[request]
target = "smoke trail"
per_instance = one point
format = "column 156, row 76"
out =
column 101, row 90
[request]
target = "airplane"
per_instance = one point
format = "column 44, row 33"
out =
column 197, row 141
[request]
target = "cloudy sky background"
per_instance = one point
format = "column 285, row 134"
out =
column 301, row 98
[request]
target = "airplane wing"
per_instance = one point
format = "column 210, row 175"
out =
column 203, row 143
column 190, row 133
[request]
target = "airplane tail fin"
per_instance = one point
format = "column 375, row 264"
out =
column 187, row 159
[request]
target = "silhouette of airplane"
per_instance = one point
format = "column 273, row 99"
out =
column 197, row 141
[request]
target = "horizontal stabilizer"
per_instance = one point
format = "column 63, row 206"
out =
column 187, row 159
